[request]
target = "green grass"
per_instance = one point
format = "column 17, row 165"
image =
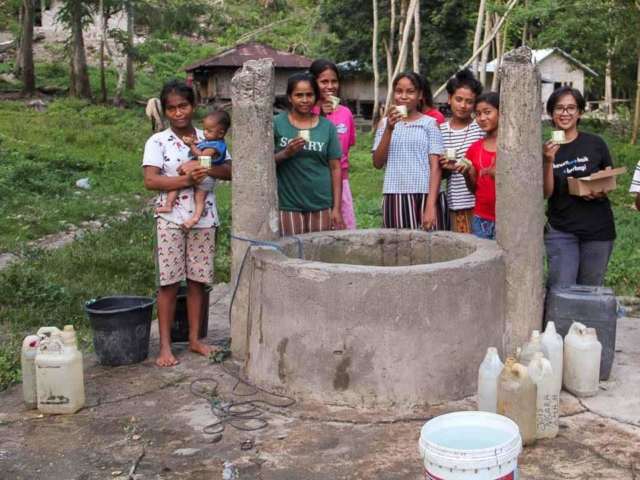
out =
column 43, row 154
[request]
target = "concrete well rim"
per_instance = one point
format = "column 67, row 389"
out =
column 485, row 252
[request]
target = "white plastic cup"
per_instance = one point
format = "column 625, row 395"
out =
column 470, row 446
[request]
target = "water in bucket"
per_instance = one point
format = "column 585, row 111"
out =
column 470, row 446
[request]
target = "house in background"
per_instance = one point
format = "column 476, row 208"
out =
column 357, row 89
column 557, row 69
column 211, row 77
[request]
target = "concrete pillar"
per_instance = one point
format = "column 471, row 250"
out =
column 254, row 192
column 520, row 206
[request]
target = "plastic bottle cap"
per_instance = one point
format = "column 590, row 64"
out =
column 492, row 350
column 33, row 343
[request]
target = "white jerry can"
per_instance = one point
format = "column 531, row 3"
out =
column 582, row 350
column 488, row 374
column 548, row 396
column 59, row 372
column 28, row 363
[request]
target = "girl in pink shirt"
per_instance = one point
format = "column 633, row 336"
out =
column 326, row 74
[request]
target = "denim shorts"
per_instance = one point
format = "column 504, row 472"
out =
column 483, row 228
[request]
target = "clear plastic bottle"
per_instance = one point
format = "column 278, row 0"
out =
column 555, row 346
column 532, row 346
column 488, row 374
column 517, row 399
column 582, row 352
column 548, row 397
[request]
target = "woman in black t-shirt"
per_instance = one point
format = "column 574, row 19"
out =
column 581, row 230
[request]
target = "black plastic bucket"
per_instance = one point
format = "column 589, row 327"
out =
column 180, row 328
column 121, row 328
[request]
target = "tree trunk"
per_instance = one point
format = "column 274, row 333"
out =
column 608, row 86
column 121, row 84
column 79, row 85
column 103, row 39
column 525, row 27
column 18, row 70
column 476, row 38
column 26, row 49
column 130, row 81
column 416, row 38
column 485, row 53
column 636, row 113
column 401, row 20
column 500, row 46
column 376, row 73
column 497, row 47
column 391, row 46
column 494, row 32
column 402, row 54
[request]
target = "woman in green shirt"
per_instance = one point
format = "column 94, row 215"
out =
column 307, row 155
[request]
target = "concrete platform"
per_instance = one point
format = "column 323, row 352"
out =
column 599, row 437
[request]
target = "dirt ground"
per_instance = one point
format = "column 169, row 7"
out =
column 142, row 408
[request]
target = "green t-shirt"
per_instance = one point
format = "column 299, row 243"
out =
column 304, row 180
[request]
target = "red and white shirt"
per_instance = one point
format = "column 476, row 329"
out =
column 167, row 151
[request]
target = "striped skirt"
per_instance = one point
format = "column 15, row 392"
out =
column 297, row 223
column 405, row 210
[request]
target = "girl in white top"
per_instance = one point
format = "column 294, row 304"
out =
column 458, row 134
column 409, row 146
column 180, row 252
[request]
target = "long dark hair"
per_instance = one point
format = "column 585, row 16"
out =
column 322, row 64
column 303, row 77
column 427, row 94
column 413, row 77
column 176, row 87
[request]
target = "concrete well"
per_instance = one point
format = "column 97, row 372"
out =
column 373, row 317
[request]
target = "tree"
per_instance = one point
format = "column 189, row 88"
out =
column 103, row 39
column 130, row 81
column 416, row 39
column 26, row 49
column 446, row 33
column 478, row 33
column 75, row 15
column 374, row 55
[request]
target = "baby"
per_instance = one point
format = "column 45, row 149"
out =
column 215, row 125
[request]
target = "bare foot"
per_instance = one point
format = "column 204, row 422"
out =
column 190, row 223
column 201, row 348
column 164, row 209
column 166, row 358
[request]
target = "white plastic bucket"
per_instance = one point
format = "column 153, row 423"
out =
column 470, row 446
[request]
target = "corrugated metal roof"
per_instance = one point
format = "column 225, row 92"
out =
column 236, row 56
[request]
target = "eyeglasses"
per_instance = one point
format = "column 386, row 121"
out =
column 570, row 109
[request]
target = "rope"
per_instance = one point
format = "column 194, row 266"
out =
column 244, row 415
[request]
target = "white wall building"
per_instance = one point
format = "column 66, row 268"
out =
column 557, row 69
